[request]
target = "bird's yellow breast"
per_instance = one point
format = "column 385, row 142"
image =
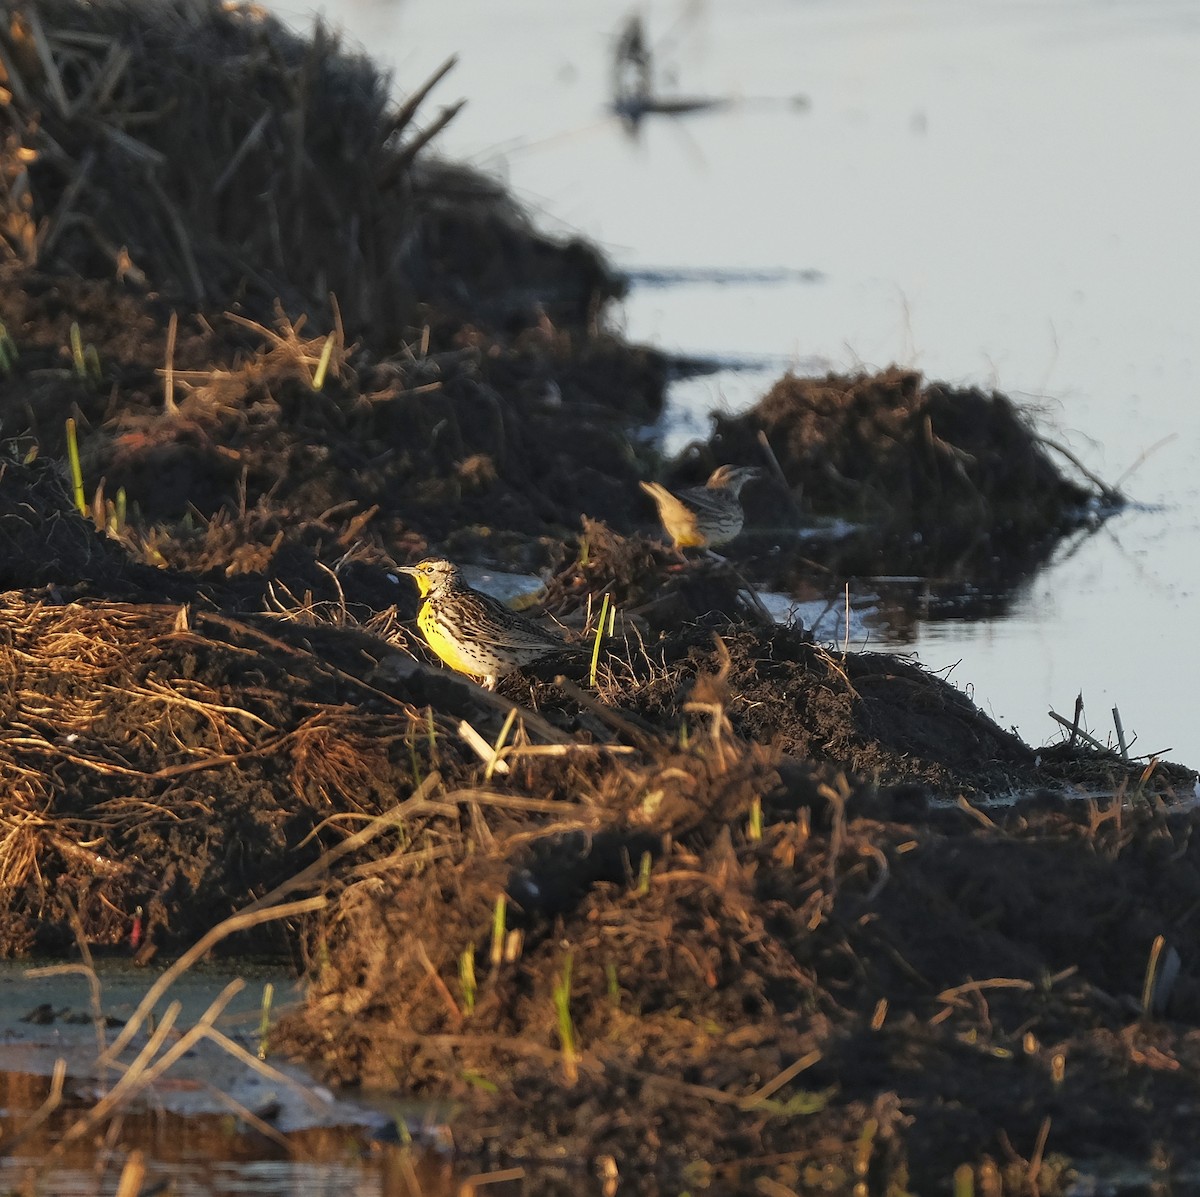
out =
column 677, row 518
column 444, row 645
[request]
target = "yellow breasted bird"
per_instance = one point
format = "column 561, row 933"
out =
column 703, row 517
column 473, row 632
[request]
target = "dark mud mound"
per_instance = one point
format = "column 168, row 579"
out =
column 871, row 714
column 476, row 448
column 301, row 177
column 942, row 481
column 715, row 967
column 43, row 538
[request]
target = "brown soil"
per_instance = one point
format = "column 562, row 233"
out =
column 808, row 946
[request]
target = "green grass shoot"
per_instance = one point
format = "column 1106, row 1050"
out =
column 264, row 1019
column 323, row 365
column 566, row 1028
column 433, row 752
column 76, row 469
column 84, row 358
column 77, row 350
column 478, row 1081
column 118, row 515
column 466, row 977
column 499, row 919
column 599, row 636
column 754, row 830
column 643, row 887
column 864, row 1148
column 613, row 985
column 501, row 739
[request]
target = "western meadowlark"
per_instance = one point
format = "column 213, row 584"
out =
column 702, row 517
column 473, row 632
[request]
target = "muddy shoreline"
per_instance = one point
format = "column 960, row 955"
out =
column 731, row 908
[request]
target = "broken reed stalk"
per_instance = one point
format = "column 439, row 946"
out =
column 1116, row 714
column 148, row 1066
column 261, row 911
column 482, row 749
column 418, row 143
column 1078, row 731
column 1039, row 1154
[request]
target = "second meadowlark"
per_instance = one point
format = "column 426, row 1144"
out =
column 703, row 517
column 473, row 632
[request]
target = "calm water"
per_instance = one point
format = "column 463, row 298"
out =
column 190, row 1122
column 995, row 192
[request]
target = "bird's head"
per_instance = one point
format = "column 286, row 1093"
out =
column 432, row 573
column 733, row 478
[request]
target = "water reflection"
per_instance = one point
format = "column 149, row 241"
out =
column 217, row 1156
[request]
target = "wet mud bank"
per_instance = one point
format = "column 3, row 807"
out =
column 710, row 906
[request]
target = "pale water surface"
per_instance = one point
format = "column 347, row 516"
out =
column 995, row 192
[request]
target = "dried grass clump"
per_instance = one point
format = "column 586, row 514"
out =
column 180, row 761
